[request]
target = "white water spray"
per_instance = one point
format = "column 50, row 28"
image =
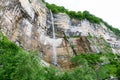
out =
column 54, row 46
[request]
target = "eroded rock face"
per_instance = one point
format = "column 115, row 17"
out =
column 75, row 28
column 23, row 22
column 28, row 24
column 62, row 21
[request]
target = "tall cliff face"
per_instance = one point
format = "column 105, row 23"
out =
column 28, row 24
column 23, row 21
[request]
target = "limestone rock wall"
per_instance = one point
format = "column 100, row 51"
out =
column 23, row 21
column 28, row 24
column 76, row 28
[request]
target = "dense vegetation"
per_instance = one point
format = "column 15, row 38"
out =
column 18, row 64
column 81, row 16
column 103, row 65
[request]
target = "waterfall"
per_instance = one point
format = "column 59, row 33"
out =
column 54, row 46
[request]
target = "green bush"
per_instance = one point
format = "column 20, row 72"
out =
column 99, row 67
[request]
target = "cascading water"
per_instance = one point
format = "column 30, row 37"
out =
column 54, row 46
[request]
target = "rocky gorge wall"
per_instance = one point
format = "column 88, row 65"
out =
column 28, row 24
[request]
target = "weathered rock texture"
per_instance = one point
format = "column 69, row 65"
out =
column 28, row 24
column 22, row 22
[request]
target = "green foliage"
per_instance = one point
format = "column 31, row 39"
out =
column 92, row 59
column 104, row 72
column 91, row 18
column 56, row 9
column 118, row 72
column 82, row 72
column 102, row 68
column 77, row 15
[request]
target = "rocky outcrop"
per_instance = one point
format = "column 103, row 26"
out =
column 22, row 22
column 85, row 28
column 28, row 24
